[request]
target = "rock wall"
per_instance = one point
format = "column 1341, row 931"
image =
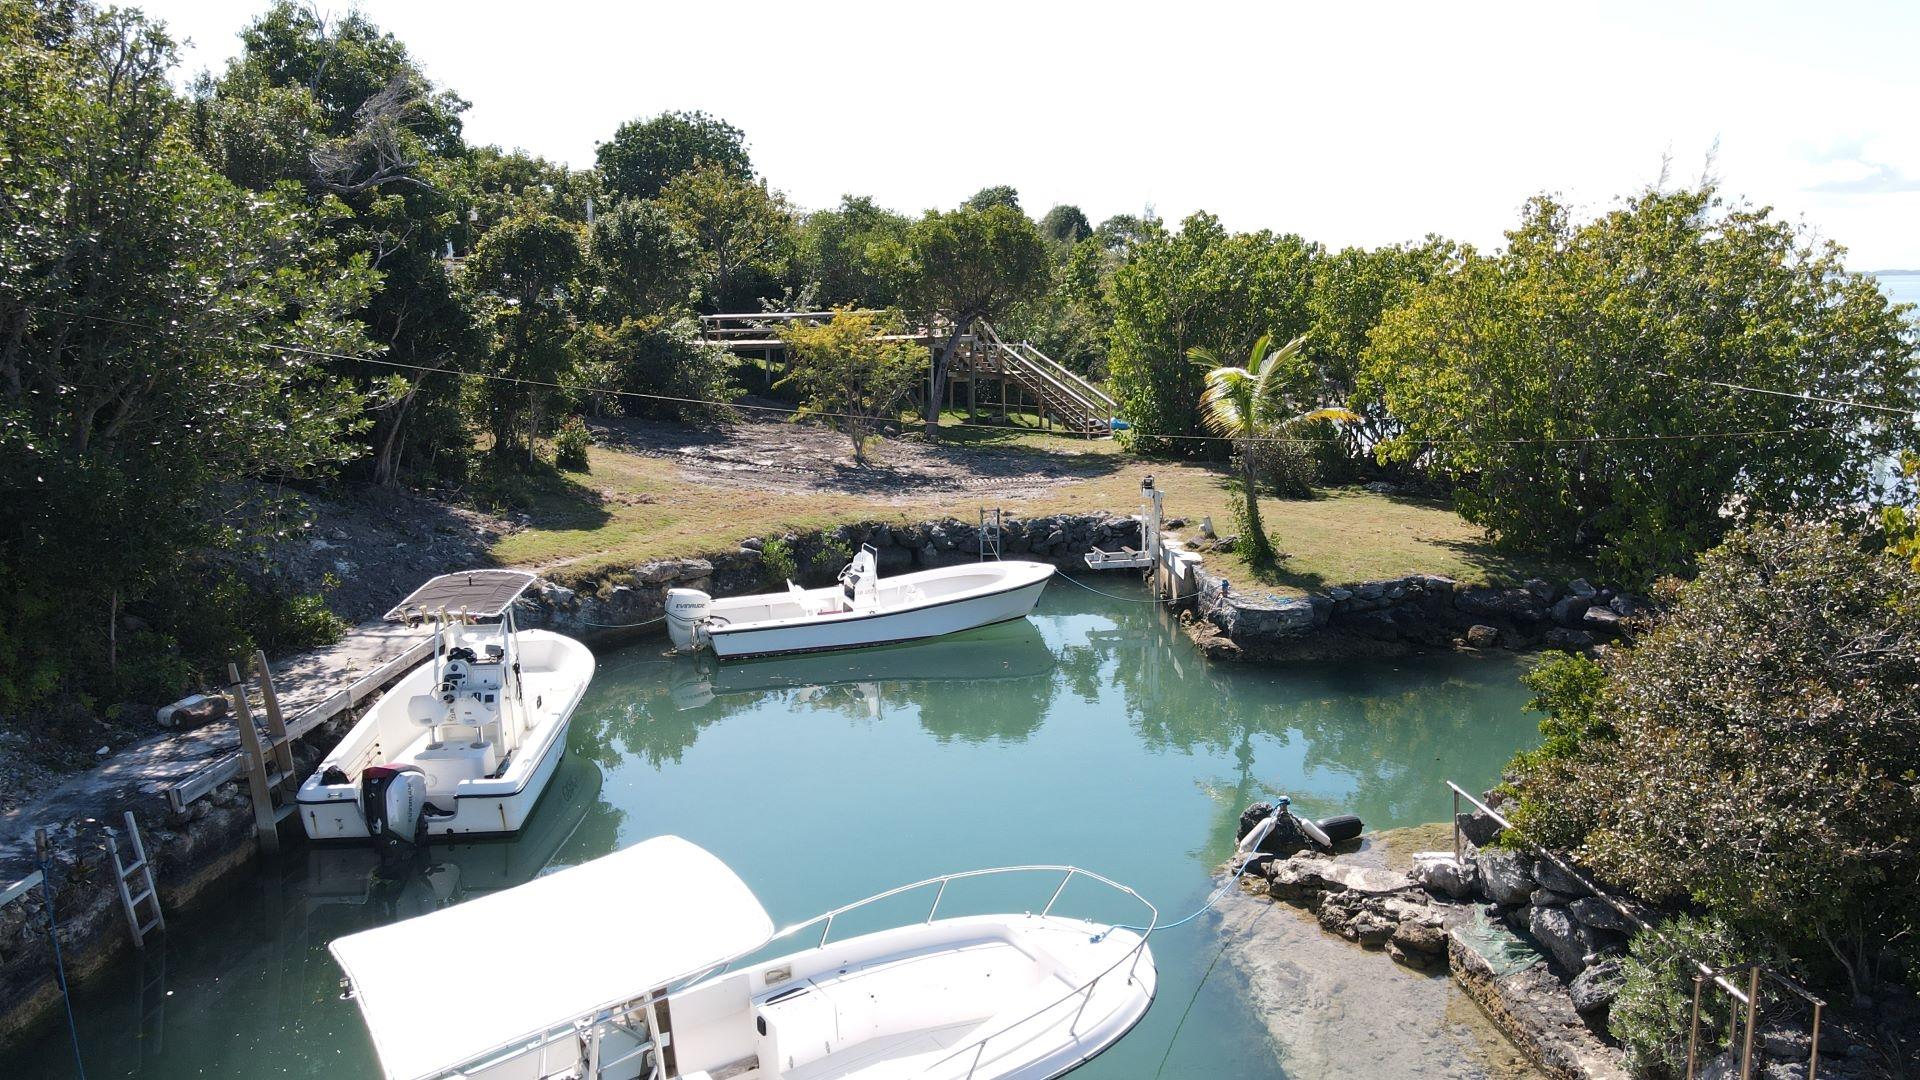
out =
column 1402, row 615
column 622, row 602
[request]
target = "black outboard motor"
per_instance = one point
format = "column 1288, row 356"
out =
column 393, row 801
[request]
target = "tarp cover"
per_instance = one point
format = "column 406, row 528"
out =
column 442, row 988
column 483, row 594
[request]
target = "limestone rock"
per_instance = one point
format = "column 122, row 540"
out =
column 1597, row 913
column 1482, row 636
column 1415, row 936
column 1442, row 873
column 1580, row 588
column 1512, row 603
column 1593, row 990
column 1504, row 877
column 1541, row 589
column 1478, row 828
column 1555, row 929
column 1603, row 620
column 1550, row 876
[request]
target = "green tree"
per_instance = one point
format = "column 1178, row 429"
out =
column 743, row 229
column 643, row 262
column 1248, row 403
column 1753, row 754
column 160, row 333
column 1198, row 288
column 662, row 357
column 1352, row 291
column 1573, row 384
column 996, row 195
column 846, row 376
column 970, row 264
column 1065, row 225
column 523, row 273
column 644, row 156
column 1902, row 523
column 340, row 108
column 855, row 252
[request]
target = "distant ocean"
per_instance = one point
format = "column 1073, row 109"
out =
column 1902, row 287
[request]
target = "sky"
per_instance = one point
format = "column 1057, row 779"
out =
column 1347, row 123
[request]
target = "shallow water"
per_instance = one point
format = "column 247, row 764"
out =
column 1091, row 734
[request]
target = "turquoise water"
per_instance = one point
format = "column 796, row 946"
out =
column 1091, row 734
column 1904, row 288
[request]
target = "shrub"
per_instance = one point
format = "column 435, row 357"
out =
column 1652, row 1012
column 1761, row 764
column 835, row 552
column 570, row 445
column 776, row 559
column 1286, row 467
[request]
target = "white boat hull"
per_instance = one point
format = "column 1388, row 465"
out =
column 482, row 805
column 1005, row 591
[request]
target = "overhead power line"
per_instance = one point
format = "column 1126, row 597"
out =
column 1894, row 409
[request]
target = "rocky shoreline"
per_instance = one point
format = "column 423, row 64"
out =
column 1534, row 946
column 1397, row 616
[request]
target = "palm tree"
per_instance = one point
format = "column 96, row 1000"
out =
column 1247, row 403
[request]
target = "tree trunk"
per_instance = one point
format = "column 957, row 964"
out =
column 1261, row 550
column 937, row 383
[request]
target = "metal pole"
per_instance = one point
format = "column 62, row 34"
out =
column 1693, row 1035
column 1753, row 1006
column 1813, row 1057
column 1458, row 856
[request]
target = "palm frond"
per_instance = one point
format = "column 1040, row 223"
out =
column 1226, row 407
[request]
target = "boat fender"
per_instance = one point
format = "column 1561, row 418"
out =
column 687, row 610
column 1341, row 828
column 1314, row 832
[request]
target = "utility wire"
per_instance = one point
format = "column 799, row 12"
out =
column 1896, row 410
column 425, row 370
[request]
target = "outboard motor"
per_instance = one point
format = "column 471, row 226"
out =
column 686, row 612
column 393, row 801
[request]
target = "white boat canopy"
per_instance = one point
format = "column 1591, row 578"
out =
column 443, row 988
column 483, row 594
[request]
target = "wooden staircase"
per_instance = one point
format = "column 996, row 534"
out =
column 1063, row 396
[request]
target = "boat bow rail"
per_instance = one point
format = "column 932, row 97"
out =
column 586, row 1030
column 976, row 1048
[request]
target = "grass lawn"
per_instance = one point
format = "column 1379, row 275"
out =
column 633, row 507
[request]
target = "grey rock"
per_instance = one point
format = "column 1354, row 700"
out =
column 1550, row 876
column 1373, row 929
column 1441, row 873
column 1541, row 589
column 1580, row 588
column 1504, row 877
column 1370, row 590
column 1478, row 828
column 753, row 543
column 1594, row 989
column 1603, row 620
column 1545, row 897
column 1597, row 913
column 1482, row 636
column 1567, row 639
column 1416, row 936
column 1339, row 593
column 1569, row 610
column 1553, row 928
column 1516, row 604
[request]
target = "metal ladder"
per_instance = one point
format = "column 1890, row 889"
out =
column 142, row 891
column 989, row 534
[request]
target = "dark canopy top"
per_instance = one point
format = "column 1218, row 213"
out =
column 482, row 594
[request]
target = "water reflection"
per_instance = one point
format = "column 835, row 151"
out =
column 1091, row 733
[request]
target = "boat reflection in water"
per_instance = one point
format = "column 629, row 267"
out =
column 339, row 874
column 1011, row 651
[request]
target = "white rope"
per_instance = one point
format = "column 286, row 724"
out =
column 1126, row 599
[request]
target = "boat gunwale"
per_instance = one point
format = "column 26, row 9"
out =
column 839, row 618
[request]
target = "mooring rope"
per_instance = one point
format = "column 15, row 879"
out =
column 1124, row 599
column 59, row 965
column 622, row 626
column 1202, row 910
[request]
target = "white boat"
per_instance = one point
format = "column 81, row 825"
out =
column 862, row 609
column 623, row 968
column 466, row 742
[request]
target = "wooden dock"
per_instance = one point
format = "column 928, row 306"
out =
column 176, row 768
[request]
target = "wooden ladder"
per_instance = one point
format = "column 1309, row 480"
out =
column 270, row 775
column 135, row 882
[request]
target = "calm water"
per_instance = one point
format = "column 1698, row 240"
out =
column 1092, row 734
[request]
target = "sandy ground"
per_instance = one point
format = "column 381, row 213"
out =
column 804, row 458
